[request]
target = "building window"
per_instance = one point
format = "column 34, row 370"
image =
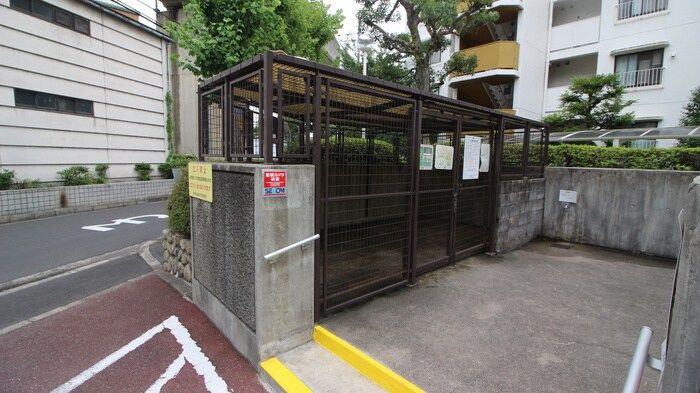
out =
column 435, row 58
column 631, row 8
column 640, row 69
column 52, row 102
column 53, row 14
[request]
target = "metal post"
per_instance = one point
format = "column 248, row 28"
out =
column 268, row 102
column 415, row 171
column 318, row 193
column 496, row 182
column 526, row 149
column 634, row 375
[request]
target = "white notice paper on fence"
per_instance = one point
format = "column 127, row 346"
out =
column 443, row 157
column 472, row 154
column 485, row 157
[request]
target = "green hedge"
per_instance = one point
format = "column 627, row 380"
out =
column 179, row 205
column 680, row 159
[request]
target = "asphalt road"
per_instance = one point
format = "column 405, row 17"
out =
column 31, row 247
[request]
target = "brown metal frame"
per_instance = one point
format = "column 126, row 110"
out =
column 321, row 114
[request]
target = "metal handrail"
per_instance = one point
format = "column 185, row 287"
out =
column 271, row 256
column 641, row 358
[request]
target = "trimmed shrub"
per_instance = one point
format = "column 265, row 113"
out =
column 101, row 170
column 144, row 171
column 7, row 179
column 77, row 175
column 679, row 159
column 179, row 205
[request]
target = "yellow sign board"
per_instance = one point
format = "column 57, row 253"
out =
column 200, row 177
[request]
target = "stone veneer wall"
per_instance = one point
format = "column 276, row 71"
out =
column 177, row 255
column 520, row 213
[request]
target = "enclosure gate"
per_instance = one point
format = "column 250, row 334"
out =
column 382, row 220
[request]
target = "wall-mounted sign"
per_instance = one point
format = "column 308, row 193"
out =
column 274, row 182
column 568, row 196
column 426, row 157
column 443, row 157
column 200, row 177
column 472, row 155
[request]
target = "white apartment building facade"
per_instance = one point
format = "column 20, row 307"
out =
column 528, row 57
column 80, row 84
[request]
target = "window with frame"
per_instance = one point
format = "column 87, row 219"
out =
column 53, row 14
column 52, row 102
column 631, row 8
column 640, row 69
column 435, row 57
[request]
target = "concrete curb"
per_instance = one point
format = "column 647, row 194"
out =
column 370, row 368
column 74, row 266
column 181, row 286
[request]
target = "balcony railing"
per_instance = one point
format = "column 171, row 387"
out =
column 631, row 8
column 648, row 77
column 495, row 55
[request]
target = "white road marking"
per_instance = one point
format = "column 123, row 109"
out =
column 130, row 220
column 190, row 352
column 169, row 374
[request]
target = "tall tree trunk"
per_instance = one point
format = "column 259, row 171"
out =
column 423, row 75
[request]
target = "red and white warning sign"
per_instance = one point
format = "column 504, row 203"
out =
column 274, row 183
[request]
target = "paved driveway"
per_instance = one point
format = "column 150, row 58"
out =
column 550, row 317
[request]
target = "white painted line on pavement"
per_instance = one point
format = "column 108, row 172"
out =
column 130, row 220
column 190, row 352
column 169, row 374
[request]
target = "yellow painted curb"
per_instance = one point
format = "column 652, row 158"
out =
column 284, row 378
column 369, row 367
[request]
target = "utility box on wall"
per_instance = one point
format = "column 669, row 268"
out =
column 263, row 308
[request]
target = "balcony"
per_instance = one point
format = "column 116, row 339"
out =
column 640, row 78
column 632, row 8
column 495, row 55
column 575, row 34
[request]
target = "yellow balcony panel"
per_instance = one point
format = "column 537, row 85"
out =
column 495, row 55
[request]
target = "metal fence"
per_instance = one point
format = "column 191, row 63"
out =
column 384, row 214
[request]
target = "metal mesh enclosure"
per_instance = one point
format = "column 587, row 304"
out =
column 406, row 181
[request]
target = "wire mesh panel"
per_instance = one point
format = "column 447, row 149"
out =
column 471, row 219
column 513, row 144
column 536, row 153
column 367, row 186
column 436, row 193
column 212, row 123
column 292, row 128
column 245, row 117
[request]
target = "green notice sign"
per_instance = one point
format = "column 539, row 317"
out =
column 426, row 157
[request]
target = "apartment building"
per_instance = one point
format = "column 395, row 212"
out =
column 528, row 57
column 81, row 83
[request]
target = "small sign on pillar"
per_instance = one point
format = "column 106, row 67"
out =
column 274, row 182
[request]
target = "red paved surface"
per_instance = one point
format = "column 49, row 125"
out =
column 46, row 354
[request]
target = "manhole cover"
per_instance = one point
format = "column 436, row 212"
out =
column 565, row 246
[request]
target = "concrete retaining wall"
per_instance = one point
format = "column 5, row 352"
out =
column 625, row 209
column 519, row 212
column 18, row 205
column 262, row 308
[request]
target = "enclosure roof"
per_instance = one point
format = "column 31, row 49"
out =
column 278, row 57
column 628, row 133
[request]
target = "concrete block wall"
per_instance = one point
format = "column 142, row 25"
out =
column 519, row 213
column 17, row 205
column 626, row 209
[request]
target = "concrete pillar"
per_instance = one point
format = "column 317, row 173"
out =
column 682, row 368
column 262, row 308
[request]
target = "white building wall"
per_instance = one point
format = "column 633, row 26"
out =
column 674, row 29
column 533, row 25
column 119, row 67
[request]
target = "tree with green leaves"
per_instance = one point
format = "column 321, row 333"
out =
column 592, row 103
column 217, row 34
column 691, row 117
column 385, row 65
column 439, row 19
